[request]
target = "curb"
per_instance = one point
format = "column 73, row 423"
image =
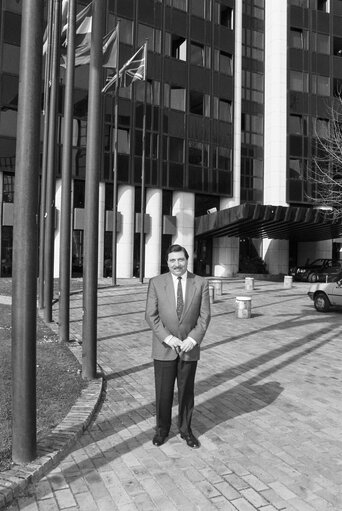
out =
column 54, row 447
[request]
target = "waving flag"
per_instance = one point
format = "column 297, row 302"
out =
column 134, row 69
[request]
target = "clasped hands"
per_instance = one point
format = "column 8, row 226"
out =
column 179, row 346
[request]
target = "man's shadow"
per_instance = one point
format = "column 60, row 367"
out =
column 242, row 399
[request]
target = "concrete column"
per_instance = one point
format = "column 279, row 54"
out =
column 102, row 191
column 153, row 239
column 225, row 256
column 57, row 237
column 183, row 208
column 275, row 253
column 275, row 102
column 125, row 238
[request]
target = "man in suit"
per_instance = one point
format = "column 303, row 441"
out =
column 178, row 313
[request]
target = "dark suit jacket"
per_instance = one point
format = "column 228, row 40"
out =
column 162, row 317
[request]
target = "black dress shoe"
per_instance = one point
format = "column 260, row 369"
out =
column 158, row 440
column 191, row 440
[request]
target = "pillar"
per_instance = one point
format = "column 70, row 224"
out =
column 153, row 238
column 125, row 238
column 225, row 256
column 183, row 208
column 57, row 237
column 275, row 253
column 102, row 213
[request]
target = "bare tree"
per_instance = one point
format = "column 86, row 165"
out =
column 326, row 175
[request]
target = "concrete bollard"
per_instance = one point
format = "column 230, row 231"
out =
column 211, row 294
column 217, row 284
column 249, row 283
column 288, row 281
column 243, row 307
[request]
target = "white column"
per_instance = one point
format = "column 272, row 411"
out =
column 57, row 237
column 225, row 256
column 125, row 238
column 183, row 208
column 102, row 191
column 153, row 239
column 235, row 200
column 275, row 102
column 275, row 253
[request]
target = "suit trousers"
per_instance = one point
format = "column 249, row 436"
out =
column 165, row 373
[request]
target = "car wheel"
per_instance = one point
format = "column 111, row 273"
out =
column 321, row 302
column 313, row 277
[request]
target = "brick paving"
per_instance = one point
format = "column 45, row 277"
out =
column 268, row 413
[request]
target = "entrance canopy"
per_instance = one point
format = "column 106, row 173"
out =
column 274, row 222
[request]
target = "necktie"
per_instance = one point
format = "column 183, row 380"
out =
column 180, row 302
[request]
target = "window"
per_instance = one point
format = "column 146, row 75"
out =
column 224, row 15
column 321, row 127
column 322, row 5
column 296, row 168
column 198, row 8
column 152, row 35
column 299, row 38
column 223, row 62
column 338, row 46
column 297, row 125
column 126, row 31
column 178, row 4
column 12, row 28
column 223, row 110
column 300, row 3
column 321, row 85
column 178, row 47
column 222, row 158
column 196, row 103
column 299, row 81
column 198, row 153
column 197, row 54
column 123, row 141
column 8, row 187
column 177, row 98
column 322, row 43
column 176, row 150
column 337, row 87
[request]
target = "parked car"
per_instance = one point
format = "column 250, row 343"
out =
column 310, row 272
column 327, row 273
column 327, row 294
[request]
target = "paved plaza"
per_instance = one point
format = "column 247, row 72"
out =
column 268, row 412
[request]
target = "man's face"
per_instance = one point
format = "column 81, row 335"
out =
column 177, row 263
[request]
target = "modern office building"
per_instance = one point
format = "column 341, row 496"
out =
column 236, row 93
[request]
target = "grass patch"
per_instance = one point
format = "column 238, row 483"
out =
column 59, row 382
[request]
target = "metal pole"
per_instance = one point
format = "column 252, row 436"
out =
column 142, row 213
column 115, row 166
column 25, row 242
column 93, row 164
column 47, row 84
column 51, row 166
column 65, row 243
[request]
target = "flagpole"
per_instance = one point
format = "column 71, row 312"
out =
column 25, row 236
column 93, row 167
column 51, row 168
column 65, row 241
column 115, row 166
column 142, row 212
column 47, row 83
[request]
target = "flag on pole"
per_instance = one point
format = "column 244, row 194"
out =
column 134, row 69
column 110, row 49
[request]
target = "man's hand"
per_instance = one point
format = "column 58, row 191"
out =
column 175, row 343
column 188, row 344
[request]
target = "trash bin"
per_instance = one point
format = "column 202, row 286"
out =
column 211, row 294
column 249, row 283
column 288, row 281
column 217, row 284
column 243, row 307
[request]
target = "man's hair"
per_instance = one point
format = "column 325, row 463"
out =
column 176, row 248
